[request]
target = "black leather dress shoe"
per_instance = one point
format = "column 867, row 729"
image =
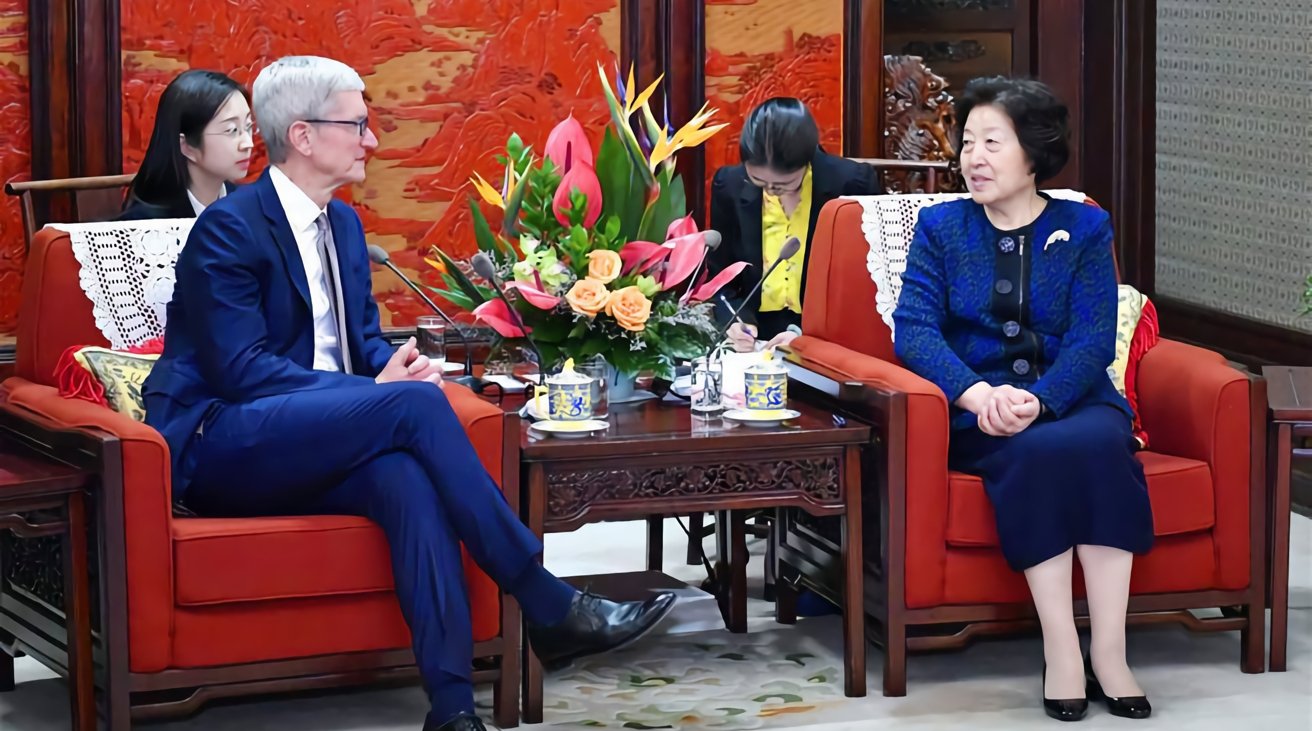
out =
column 458, row 722
column 1067, row 709
column 596, row 624
column 1135, row 706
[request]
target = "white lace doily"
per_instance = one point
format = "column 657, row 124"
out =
column 888, row 222
column 127, row 273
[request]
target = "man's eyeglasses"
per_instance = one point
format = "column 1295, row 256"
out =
column 360, row 125
column 235, row 132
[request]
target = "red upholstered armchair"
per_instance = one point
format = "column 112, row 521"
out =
column 194, row 609
column 937, row 577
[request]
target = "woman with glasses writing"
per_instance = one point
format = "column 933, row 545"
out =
column 201, row 144
column 775, row 194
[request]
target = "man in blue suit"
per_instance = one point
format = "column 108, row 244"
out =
column 278, row 395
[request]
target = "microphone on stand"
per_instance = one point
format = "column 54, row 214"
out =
column 378, row 255
column 484, row 268
column 711, row 239
column 786, row 252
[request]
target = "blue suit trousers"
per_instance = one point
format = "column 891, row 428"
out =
column 394, row 453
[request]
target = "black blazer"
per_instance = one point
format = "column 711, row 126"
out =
column 736, row 214
column 179, row 206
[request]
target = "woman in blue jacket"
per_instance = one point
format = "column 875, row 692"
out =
column 1008, row 305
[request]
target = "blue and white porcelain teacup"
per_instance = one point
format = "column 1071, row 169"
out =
column 765, row 385
column 569, row 395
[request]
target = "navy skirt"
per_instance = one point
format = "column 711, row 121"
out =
column 1061, row 483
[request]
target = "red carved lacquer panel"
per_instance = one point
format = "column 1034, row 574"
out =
column 449, row 80
column 756, row 49
column 15, row 155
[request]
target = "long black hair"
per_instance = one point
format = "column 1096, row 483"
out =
column 186, row 107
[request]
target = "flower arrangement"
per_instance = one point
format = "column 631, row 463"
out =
column 577, row 244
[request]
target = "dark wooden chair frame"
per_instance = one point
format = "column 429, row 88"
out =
column 35, row 627
column 94, row 199
column 807, row 558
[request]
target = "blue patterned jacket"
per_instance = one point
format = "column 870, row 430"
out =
column 1034, row 308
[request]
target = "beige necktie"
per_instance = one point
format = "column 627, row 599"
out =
column 332, row 277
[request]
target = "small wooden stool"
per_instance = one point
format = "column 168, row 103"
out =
column 30, row 483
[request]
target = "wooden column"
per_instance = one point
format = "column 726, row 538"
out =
column 1060, row 63
column 75, row 68
column 863, row 78
column 682, row 37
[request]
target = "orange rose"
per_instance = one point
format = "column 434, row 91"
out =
column 604, row 265
column 588, row 297
column 630, row 308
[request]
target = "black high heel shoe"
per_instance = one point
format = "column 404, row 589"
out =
column 1068, row 709
column 1129, row 707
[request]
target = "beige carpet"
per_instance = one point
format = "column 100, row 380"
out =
column 694, row 675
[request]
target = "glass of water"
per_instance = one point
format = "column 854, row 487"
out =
column 595, row 368
column 430, row 332
column 707, row 385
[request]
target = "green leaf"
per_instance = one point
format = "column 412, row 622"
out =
column 460, row 280
column 510, row 222
column 647, row 285
column 798, row 657
column 611, row 230
column 593, row 346
column 551, row 329
column 669, row 206
column 483, row 235
column 579, row 330
column 452, row 295
column 623, row 192
column 682, row 345
column 515, row 146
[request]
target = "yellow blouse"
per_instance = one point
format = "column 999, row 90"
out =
column 783, row 290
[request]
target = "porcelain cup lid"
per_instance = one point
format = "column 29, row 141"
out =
column 568, row 375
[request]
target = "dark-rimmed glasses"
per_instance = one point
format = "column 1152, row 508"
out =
column 360, row 125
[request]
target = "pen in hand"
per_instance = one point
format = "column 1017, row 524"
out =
column 749, row 329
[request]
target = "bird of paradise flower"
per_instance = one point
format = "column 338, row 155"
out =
column 578, row 235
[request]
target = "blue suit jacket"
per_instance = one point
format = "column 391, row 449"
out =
column 948, row 328
column 240, row 326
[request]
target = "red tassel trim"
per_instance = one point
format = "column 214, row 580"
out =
column 1146, row 334
column 75, row 381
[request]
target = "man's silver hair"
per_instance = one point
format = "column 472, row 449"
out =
column 296, row 88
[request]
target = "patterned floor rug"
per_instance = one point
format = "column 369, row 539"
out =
column 703, row 681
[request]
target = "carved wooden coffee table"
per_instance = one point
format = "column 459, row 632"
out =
column 658, row 459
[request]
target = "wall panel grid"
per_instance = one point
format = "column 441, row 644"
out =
column 1234, row 167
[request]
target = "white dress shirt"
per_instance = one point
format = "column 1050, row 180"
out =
column 301, row 214
column 197, row 206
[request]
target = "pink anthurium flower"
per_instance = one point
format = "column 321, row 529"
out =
column 534, row 295
column 498, row 317
column 584, row 179
column 681, row 227
column 685, row 255
column 706, row 291
column 568, row 145
column 642, row 255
